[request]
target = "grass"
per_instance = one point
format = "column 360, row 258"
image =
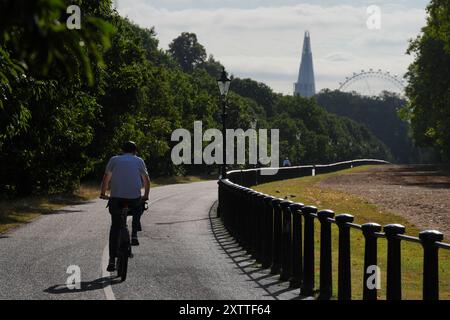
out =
column 306, row 190
column 158, row 182
column 15, row 213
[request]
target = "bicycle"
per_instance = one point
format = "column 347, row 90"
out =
column 124, row 251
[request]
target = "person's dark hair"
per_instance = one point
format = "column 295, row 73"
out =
column 129, row 147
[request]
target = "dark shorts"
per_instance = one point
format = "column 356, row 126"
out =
column 135, row 205
column 115, row 209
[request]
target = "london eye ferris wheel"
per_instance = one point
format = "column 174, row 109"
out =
column 373, row 83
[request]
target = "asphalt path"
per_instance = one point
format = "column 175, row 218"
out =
column 179, row 256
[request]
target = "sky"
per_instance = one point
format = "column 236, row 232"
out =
column 263, row 39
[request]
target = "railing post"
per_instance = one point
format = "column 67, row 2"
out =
column 297, row 265
column 325, row 254
column 394, row 269
column 220, row 197
column 276, row 244
column 344, row 264
column 223, row 199
column 286, row 231
column 370, row 257
column 241, row 207
column 307, row 288
column 232, row 209
column 254, row 224
column 240, row 213
column 227, row 211
column 268, row 232
column 248, row 222
column 259, row 226
column 430, row 263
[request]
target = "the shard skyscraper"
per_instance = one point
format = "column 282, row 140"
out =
column 306, row 85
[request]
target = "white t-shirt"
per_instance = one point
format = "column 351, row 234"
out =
column 127, row 171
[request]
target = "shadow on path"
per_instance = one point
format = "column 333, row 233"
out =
column 97, row 284
column 176, row 222
column 278, row 290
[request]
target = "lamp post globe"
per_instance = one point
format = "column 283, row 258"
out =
column 224, row 83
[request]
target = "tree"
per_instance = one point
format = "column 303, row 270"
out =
column 48, row 111
column 380, row 115
column 34, row 36
column 257, row 91
column 212, row 67
column 187, row 51
column 429, row 82
column 324, row 137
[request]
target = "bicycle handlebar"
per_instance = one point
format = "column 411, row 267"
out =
column 105, row 197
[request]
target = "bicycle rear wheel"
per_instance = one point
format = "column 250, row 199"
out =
column 124, row 248
column 122, row 266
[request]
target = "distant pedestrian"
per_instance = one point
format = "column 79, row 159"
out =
column 287, row 163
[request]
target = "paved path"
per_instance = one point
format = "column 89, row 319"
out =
column 179, row 256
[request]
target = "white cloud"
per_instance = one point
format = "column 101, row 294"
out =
column 248, row 4
column 264, row 43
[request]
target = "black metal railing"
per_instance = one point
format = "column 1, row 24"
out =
column 279, row 234
column 253, row 177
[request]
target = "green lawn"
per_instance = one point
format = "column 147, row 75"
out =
column 305, row 190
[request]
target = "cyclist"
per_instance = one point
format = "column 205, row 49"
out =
column 125, row 174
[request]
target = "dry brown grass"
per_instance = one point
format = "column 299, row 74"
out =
column 16, row 212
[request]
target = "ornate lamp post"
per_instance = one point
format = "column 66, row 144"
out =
column 224, row 86
column 254, row 126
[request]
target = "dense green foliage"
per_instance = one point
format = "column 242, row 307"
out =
column 381, row 116
column 69, row 98
column 48, row 97
column 429, row 81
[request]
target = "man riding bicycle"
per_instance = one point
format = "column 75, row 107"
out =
column 125, row 174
